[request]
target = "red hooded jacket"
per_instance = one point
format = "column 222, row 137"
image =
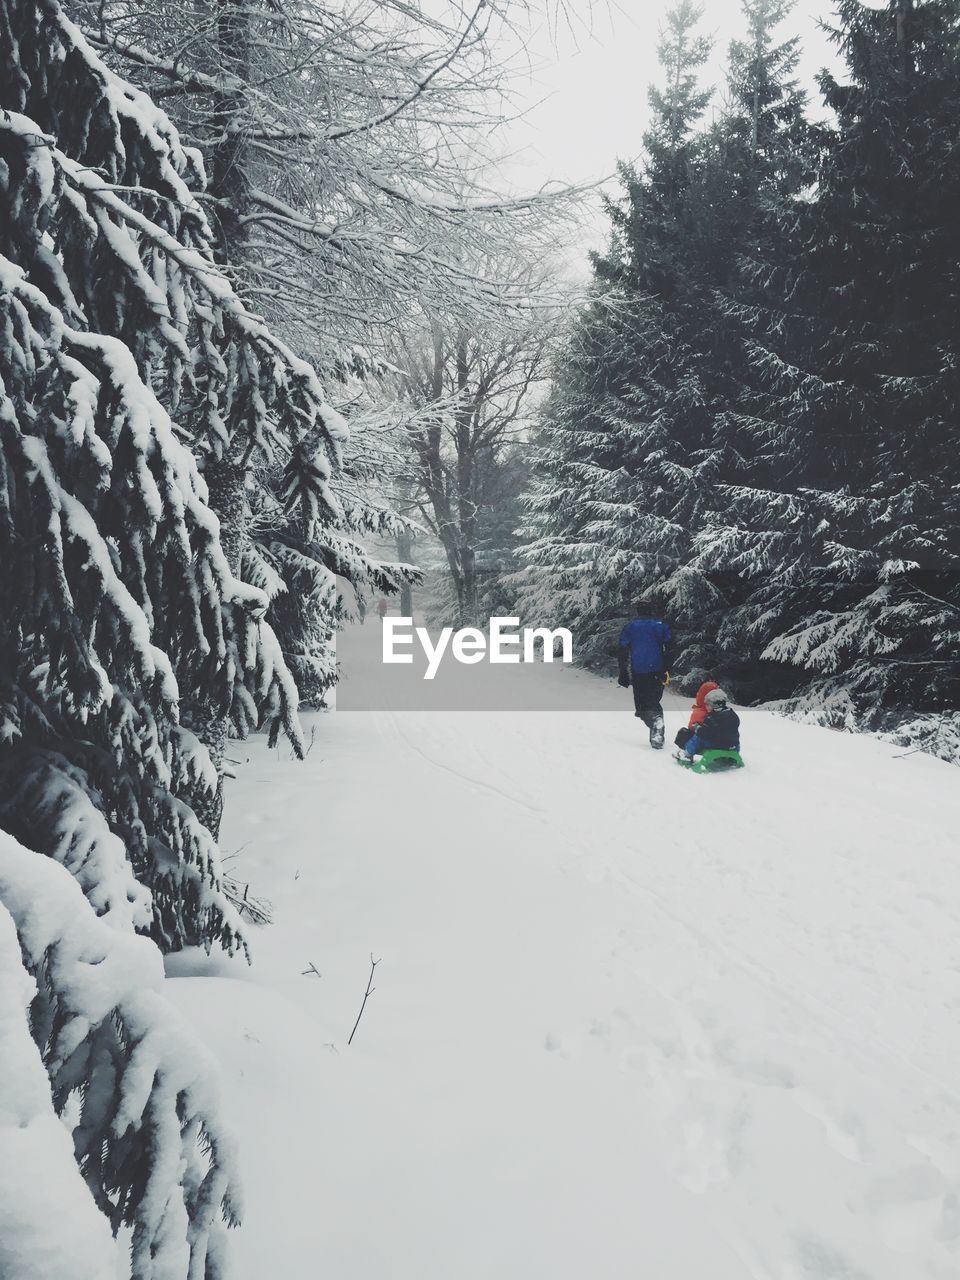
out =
column 698, row 712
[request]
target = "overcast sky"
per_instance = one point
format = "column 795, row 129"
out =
column 590, row 87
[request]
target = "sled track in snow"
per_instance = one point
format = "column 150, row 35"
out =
column 487, row 787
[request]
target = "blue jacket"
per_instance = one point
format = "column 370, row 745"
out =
column 646, row 639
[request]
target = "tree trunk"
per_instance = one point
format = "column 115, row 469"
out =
column 227, row 485
column 904, row 10
column 228, row 170
column 404, row 552
column 466, row 488
column 470, row 603
column 208, row 716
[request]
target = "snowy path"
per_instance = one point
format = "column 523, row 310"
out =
column 628, row 1022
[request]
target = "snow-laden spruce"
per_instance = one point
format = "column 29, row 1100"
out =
column 118, row 240
column 37, row 1164
column 152, row 1151
column 757, row 420
column 128, row 643
column 842, row 498
column 118, row 598
column 624, row 458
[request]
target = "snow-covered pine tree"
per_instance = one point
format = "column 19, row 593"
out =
column 122, row 604
column 624, row 438
column 588, row 546
column 298, row 565
column 648, row 404
column 273, row 458
column 769, row 144
column 119, row 604
column 81, row 997
column 751, row 165
column 33, row 1141
column 243, row 401
column 848, row 513
column 766, row 150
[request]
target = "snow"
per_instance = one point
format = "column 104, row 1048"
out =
column 627, row 1021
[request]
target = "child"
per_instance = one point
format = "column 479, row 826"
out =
column 720, row 729
column 698, row 713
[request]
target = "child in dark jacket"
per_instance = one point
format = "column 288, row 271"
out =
column 720, row 729
column 698, row 713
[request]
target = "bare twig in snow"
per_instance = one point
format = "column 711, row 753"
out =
column 366, row 996
column 229, row 857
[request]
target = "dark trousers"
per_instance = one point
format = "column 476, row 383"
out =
column 647, row 692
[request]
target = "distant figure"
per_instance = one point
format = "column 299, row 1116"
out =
column 720, row 729
column 698, row 713
column 644, row 643
column 382, row 608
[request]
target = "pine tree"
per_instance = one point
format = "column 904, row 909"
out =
column 624, row 437
column 645, row 428
column 588, row 545
column 769, row 144
column 122, row 605
column 303, row 567
column 765, row 152
column 32, row 1137
column 118, row 336
column 847, row 519
column 148, row 1137
column 246, row 405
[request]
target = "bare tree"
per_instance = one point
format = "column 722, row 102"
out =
column 474, row 390
column 349, row 147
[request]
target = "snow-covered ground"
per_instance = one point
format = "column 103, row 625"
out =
column 628, row 1022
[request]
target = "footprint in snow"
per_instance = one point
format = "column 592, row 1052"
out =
column 915, row 1203
column 815, row 1260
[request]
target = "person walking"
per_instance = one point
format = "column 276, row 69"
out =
column 643, row 645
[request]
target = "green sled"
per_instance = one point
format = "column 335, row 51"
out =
column 713, row 762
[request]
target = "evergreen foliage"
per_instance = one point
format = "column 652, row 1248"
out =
column 346, row 192
column 119, row 340
column 148, row 1138
column 755, row 420
column 626, row 448
column 120, row 601
column 843, row 514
